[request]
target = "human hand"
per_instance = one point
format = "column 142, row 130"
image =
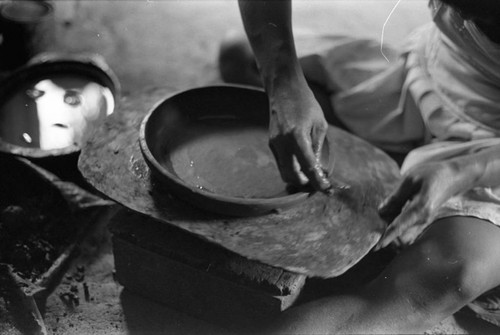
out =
column 297, row 131
column 418, row 197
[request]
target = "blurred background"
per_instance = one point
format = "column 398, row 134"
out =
column 174, row 44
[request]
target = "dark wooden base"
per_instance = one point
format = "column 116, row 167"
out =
column 196, row 277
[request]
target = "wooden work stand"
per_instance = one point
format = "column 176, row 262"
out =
column 163, row 252
column 186, row 273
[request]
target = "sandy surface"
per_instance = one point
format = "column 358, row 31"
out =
column 108, row 309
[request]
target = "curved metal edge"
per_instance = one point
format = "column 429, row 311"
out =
column 254, row 206
column 93, row 60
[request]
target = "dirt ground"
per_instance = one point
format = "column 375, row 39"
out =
column 172, row 45
column 108, row 309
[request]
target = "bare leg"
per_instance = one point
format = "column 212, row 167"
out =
column 454, row 261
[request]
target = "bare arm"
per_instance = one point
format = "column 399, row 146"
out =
column 484, row 166
column 297, row 124
column 268, row 25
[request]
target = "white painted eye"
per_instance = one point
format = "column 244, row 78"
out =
column 60, row 125
column 72, row 98
column 33, row 93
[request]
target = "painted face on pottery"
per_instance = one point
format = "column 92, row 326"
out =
column 54, row 113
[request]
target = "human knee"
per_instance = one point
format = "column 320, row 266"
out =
column 451, row 274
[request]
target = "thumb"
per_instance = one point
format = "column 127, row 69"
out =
column 318, row 135
column 392, row 206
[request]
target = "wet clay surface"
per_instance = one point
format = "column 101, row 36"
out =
column 227, row 157
column 323, row 236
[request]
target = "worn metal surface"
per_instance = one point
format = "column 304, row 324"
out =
column 323, row 236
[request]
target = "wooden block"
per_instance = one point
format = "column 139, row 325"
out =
column 197, row 277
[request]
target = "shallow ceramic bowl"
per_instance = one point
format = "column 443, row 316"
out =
column 209, row 146
column 49, row 107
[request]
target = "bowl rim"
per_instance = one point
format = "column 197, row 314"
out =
column 48, row 6
column 266, row 203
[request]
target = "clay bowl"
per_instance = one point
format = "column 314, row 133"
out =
column 209, row 146
column 49, row 107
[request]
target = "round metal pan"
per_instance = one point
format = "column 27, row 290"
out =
column 209, row 146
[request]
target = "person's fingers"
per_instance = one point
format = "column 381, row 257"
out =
column 318, row 140
column 416, row 213
column 310, row 164
column 392, row 206
column 399, row 225
column 288, row 166
column 296, row 169
column 318, row 135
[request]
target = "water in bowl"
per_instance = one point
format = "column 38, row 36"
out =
column 228, row 158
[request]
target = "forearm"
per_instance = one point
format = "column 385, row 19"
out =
column 481, row 169
column 297, row 126
column 268, row 25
